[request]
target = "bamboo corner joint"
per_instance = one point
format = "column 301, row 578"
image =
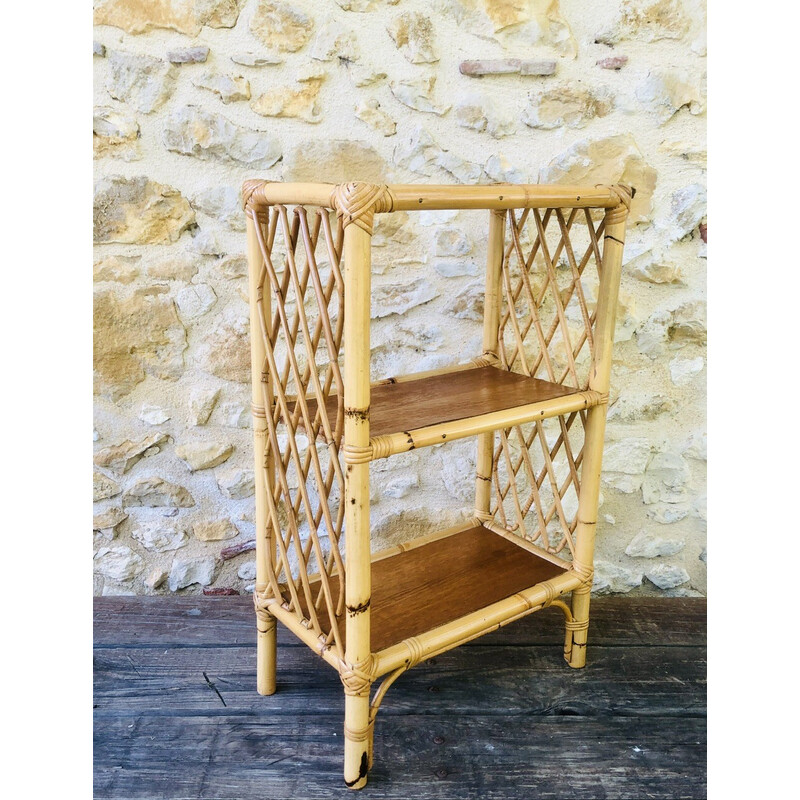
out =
column 535, row 399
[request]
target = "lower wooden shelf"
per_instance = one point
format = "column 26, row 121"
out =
column 442, row 580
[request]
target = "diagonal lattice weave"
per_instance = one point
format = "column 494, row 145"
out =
column 550, row 278
column 300, row 301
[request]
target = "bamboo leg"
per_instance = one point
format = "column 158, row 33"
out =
column 356, row 673
column 266, row 652
column 599, row 379
column 491, row 323
column 265, row 623
column 585, row 532
column 357, row 741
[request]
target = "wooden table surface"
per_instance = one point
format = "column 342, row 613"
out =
column 177, row 714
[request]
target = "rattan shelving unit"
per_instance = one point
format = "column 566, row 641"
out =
column 535, row 399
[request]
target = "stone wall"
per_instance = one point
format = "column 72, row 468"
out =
column 194, row 96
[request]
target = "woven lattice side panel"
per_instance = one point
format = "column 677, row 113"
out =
column 301, row 314
column 536, row 481
column 550, row 281
column 551, row 274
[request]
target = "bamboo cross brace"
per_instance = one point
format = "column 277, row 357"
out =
column 535, row 498
column 576, row 285
column 525, row 266
column 555, row 491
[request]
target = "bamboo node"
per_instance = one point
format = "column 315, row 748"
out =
column 415, row 649
column 381, row 446
column 357, row 455
column 359, row 202
column 258, row 411
column 359, row 734
column 356, row 678
column 550, row 592
column 577, row 625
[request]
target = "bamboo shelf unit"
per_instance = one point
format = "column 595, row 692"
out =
column 535, row 400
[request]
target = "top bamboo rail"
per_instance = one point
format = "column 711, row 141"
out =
column 427, row 197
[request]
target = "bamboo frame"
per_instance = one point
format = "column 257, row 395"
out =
column 313, row 488
column 391, row 444
column 266, row 655
column 491, row 323
column 356, row 670
column 420, row 197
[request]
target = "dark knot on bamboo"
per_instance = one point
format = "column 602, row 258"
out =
column 357, row 203
column 356, row 678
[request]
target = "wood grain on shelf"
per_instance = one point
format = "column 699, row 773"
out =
column 420, row 589
column 410, row 405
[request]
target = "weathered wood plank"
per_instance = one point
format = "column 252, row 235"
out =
column 197, row 621
column 503, row 717
column 419, row 756
column 666, row 681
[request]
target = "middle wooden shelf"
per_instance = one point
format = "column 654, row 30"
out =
column 418, row 412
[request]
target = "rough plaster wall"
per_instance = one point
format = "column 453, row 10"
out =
column 170, row 304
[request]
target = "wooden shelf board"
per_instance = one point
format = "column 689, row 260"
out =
column 468, row 393
column 442, row 580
